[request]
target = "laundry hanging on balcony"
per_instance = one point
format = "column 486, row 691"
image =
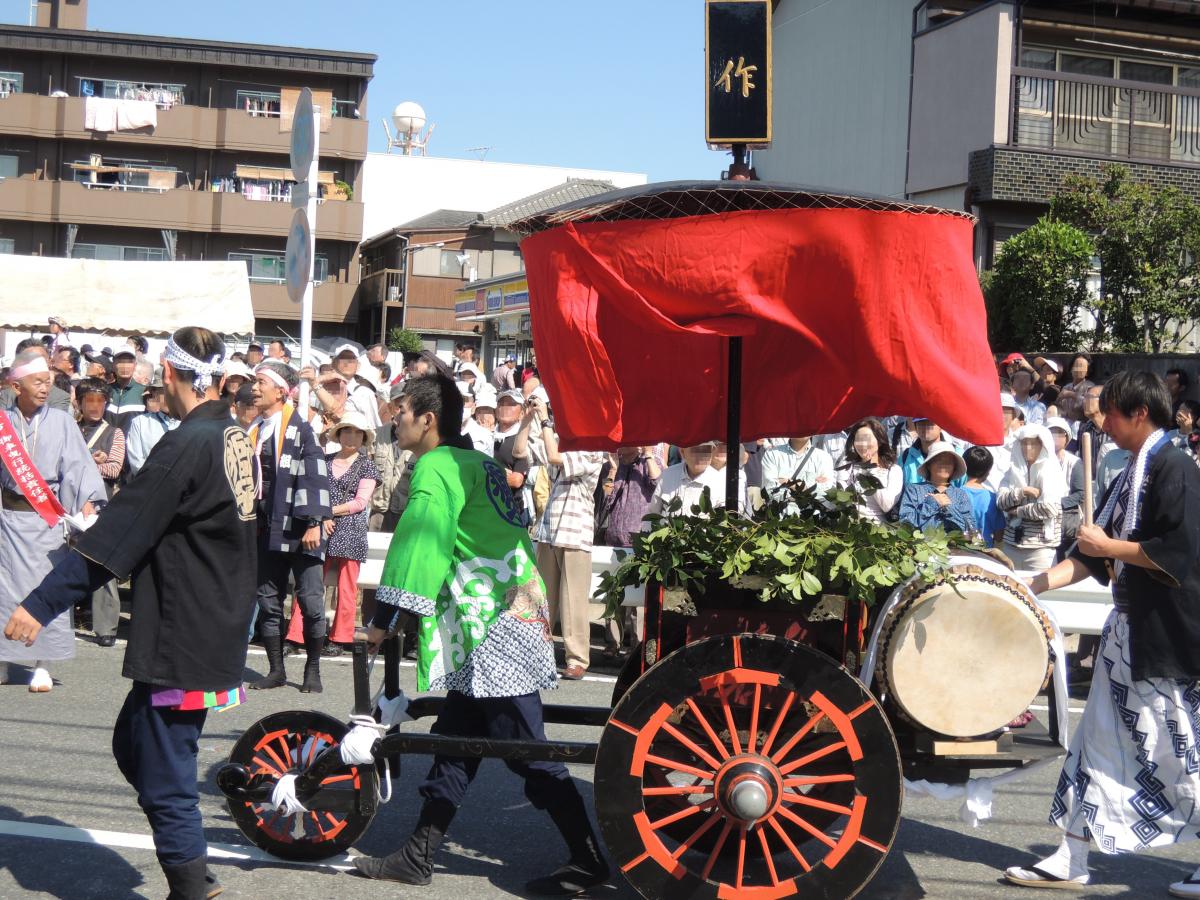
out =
column 106, row 114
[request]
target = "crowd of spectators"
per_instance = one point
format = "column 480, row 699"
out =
column 1023, row 495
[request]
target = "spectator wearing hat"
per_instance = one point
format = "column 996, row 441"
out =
column 469, row 374
column 243, row 408
column 106, row 443
column 98, row 366
column 126, row 400
column 1032, row 495
column 505, row 376
column 361, row 396
column 911, row 460
column 148, row 428
column 935, row 500
column 352, row 481
column 1047, row 388
column 60, row 337
column 237, row 374
column 509, row 426
column 254, row 355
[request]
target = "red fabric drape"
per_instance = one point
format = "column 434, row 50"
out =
column 844, row 313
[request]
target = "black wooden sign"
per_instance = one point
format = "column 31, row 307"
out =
column 738, row 71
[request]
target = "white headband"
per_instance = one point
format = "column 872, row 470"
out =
column 181, row 359
column 33, row 367
column 274, row 376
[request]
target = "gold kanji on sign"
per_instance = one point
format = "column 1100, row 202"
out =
column 742, row 71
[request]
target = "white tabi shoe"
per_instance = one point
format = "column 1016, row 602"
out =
column 1189, row 887
column 1034, row 877
column 41, row 682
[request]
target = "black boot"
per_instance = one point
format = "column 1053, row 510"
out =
column 413, row 863
column 186, row 881
column 276, row 677
column 586, row 868
column 312, row 666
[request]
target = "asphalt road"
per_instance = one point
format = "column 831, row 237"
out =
column 56, row 770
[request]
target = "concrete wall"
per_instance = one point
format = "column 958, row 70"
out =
column 841, row 95
column 398, row 189
column 960, row 91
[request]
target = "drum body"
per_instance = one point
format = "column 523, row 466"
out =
column 963, row 658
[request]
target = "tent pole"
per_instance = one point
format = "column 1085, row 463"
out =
column 733, row 424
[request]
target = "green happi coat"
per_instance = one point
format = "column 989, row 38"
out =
column 461, row 560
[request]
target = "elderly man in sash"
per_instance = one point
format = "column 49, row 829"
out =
column 1131, row 778
column 47, row 471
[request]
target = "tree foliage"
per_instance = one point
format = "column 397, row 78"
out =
column 1148, row 241
column 1038, row 286
column 404, row 340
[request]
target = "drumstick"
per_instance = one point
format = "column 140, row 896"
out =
column 1085, row 450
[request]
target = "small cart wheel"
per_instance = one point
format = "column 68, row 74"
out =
column 748, row 766
column 285, row 743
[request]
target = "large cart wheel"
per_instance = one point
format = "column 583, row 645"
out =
column 285, row 743
column 748, row 766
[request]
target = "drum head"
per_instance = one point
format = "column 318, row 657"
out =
column 966, row 665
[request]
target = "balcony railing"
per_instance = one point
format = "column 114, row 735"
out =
column 1105, row 117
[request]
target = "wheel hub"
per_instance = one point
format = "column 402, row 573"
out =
column 748, row 787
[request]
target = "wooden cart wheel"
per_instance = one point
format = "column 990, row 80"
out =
column 284, row 743
column 748, row 766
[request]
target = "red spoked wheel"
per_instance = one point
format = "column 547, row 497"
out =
column 286, row 743
column 748, row 766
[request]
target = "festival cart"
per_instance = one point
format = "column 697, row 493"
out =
column 753, row 749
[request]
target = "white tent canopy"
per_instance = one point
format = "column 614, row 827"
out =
column 148, row 298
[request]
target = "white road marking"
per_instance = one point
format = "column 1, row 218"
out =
column 133, row 841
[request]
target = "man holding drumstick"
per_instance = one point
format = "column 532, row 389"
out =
column 1132, row 775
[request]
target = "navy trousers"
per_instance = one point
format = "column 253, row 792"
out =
column 494, row 717
column 155, row 748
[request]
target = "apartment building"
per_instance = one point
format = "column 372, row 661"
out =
column 121, row 146
column 417, row 275
column 984, row 106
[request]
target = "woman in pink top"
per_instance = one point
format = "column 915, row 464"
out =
column 352, row 480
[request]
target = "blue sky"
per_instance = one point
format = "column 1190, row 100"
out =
column 613, row 85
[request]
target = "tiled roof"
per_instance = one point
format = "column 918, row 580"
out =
column 571, row 189
column 441, row 219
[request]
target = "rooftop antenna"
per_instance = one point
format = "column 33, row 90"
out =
column 409, row 119
column 482, row 151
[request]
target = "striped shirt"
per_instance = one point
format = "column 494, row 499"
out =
column 570, row 517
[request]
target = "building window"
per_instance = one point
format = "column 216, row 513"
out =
column 268, row 268
column 8, row 166
column 11, row 83
column 118, row 252
column 8, row 245
column 451, row 266
column 160, row 93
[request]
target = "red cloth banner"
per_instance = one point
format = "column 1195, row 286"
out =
column 845, row 313
column 30, row 482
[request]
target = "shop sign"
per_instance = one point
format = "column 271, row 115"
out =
column 737, row 52
column 516, row 295
column 495, row 299
column 506, row 326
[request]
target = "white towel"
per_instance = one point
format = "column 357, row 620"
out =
column 100, row 114
column 133, row 114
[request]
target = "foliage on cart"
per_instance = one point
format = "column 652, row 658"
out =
column 799, row 545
